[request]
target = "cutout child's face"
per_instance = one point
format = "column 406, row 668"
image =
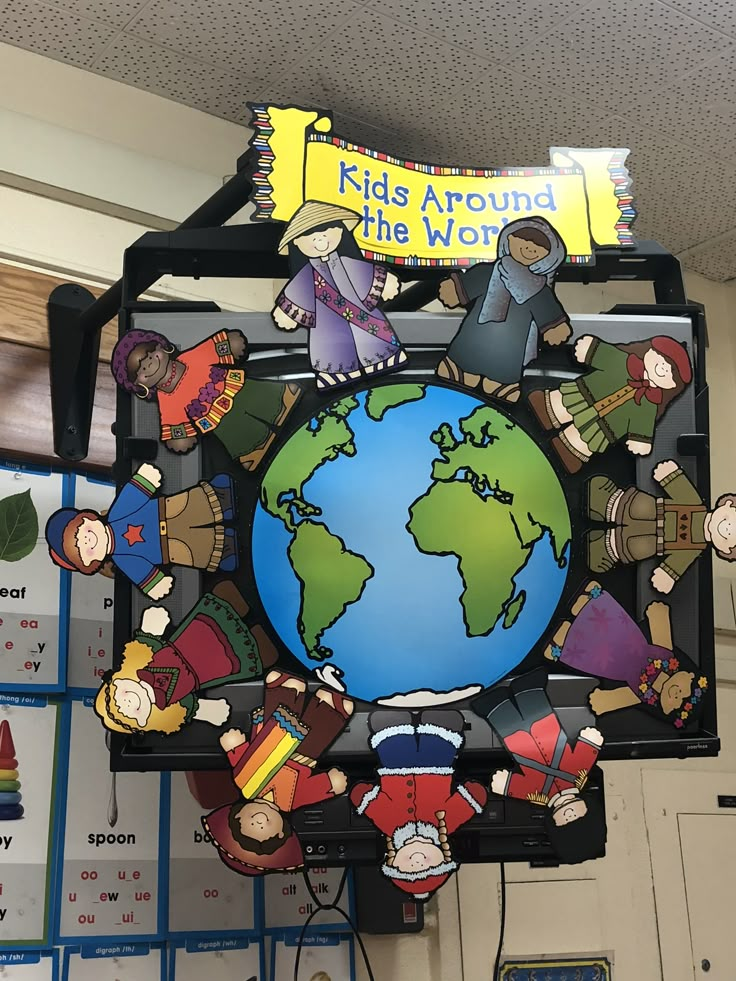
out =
column 569, row 811
column 317, row 245
column 92, row 541
column 658, row 369
column 132, row 700
column 722, row 527
column 526, row 252
column 676, row 690
column 260, row 819
column 418, row 855
column 148, row 364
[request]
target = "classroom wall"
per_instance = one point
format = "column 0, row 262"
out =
column 130, row 162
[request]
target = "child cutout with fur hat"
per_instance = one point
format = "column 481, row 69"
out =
column 414, row 804
column 275, row 772
column 552, row 772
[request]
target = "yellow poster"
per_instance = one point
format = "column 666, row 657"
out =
column 416, row 214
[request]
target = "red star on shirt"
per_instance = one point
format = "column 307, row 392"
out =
column 133, row 535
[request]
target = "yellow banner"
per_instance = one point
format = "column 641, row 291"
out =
column 417, row 214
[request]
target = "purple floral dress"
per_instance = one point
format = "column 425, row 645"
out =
column 336, row 300
column 604, row 641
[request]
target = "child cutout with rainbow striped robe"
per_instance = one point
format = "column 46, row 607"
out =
column 275, row 771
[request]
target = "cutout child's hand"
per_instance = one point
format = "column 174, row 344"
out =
column 238, row 344
column 391, row 287
column 582, row 346
column 662, row 581
column 592, row 735
column 448, row 293
column 639, row 447
column 557, row 335
column 150, row 473
column 499, row 782
column 162, row 588
column 155, row 620
column 181, row 444
column 664, row 469
column 283, row 320
column 232, row 739
column 338, row 781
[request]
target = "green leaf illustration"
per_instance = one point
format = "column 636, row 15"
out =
column 18, row 527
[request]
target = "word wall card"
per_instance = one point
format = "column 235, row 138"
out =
column 287, row 902
column 204, row 896
column 91, row 602
column 327, row 957
column 30, row 735
column 111, row 838
column 36, row 965
column 116, row 962
column 33, row 591
column 217, row 960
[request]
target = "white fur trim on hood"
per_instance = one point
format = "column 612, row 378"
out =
column 378, row 737
column 454, row 738
column 407, row 771
column 415, row 829
column 445, row 868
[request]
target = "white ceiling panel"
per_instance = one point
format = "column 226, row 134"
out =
column 251, row 39
column 716, row 261
column 53, row 32
column 383, row 72
column 175, row 76
column 617, row 48
column 493, row 29
column 116, row 13
column 720, row 14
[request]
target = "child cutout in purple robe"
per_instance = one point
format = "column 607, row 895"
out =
column 334, row 292
column 604, row 641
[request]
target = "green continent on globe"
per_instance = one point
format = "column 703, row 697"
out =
column 379, row 400
column 493, row 496
column 331, row 578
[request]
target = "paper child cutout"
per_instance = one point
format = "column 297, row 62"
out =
column 275, row 773
column 155, row 689
column 552, row 771
column 142, row 532
column 334, row 292
column 11, row 808
column 414, row 804
column 512, row 304
column 623, row 397
column 199, row 393
column 604, row 641
column 676, row 528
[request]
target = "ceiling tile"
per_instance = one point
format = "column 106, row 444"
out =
column 53, row 32
column 116, row 13
column 717, row 261
column 176, row 77
column 505, row 120
column 720, row 14
column 699, row 110
column 384, row 73
column 617, row 49
column 494, row 29
column 685, row 198
column 258, row 41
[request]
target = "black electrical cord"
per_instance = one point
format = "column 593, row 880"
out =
column 318, row 906
column 496, row 976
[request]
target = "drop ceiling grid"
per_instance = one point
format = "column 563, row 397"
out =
column 53, row 32
column 116, row 13
column 164, row 72
column 249, row 40
column 493, row 29
column 719, row 14
column 717, row 261
column 617, row 47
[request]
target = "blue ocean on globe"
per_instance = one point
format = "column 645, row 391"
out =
column 412, row 541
